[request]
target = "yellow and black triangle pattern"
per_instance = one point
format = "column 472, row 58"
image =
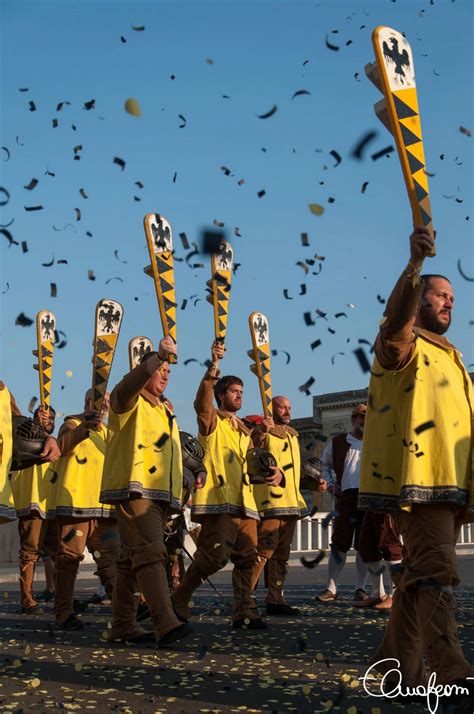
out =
column 108, row 319
column 160, row 248
column 407, row 117
column 220, row 292
column 45, row 328
column 137, row 349
column 260, row 354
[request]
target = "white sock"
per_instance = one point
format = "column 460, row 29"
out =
column 335, row 567
column 361, row 569
column 376, row 570
column 389, row 581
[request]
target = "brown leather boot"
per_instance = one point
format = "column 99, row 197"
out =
column 27, row 571
column 182, row 595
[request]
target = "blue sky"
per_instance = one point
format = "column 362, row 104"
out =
column 258, row 54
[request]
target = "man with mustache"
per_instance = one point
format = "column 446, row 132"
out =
column 417, row 465
column 226, row 506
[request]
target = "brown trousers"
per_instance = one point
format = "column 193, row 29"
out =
column 422, row 617
column 379, row 539
column 222, row 538
column 102, row 540
column 36, row 535
column 273, row 551
column 348, row 523
column 142, row 567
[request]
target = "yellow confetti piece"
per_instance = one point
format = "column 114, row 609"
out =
column 178, row 551
column 319, row 656
column 279, row 582
column 96, row 554
column 132, row 107
column 352, row 710
column 27, row 649
column 316, row 209
column 346, row 677
column 79, row 533
column 16, row 663
column 376, row 710
column 78, row 666
column 69, row 373
column 104, row 635
column 35, row 682
column 5, row 595
column 246, row 621
column 354, row 684
column 306, row 689
column 216, row 545
column 217, row 612
column 109, row 625
column 191, row 604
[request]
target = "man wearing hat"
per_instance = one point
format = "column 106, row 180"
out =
column 342, row 455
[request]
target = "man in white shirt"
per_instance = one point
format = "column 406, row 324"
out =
column 342, row 456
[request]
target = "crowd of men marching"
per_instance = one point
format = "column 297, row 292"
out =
column 112, row 480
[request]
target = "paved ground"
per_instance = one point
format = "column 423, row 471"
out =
column 305, row 664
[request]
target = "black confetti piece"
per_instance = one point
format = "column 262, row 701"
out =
column 4, row 201
column 300, row 93
column 261, row 193
column 268, row 114
column 138, row 28
column 362, row 359
column 34, row 208
column 30, row 186
column 89, row 105
column 382, row 152
column 315, row 344
column 184, row 121
column 285, row 294
column 336, row 156
column 424, row 427
column 462, row 273
column 359, row 149
column 60, row 339
column 305, row 239
column 32, row 106
column 9, row 237
column 364, row 186
column 330, row 46
column 306, row 386
column 162, row 441
column 120, row 162
column 31, row 404
column 81, row 461
column 53, row 290
column 23, row 320
column 314, row 562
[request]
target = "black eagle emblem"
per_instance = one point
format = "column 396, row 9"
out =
column 400, row 59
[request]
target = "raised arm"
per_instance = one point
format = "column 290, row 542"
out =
column 395, row 342
column 205, row 411
column 125, row 394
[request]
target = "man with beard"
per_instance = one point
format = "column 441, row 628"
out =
column 226, row 505
column 342, row 455
column 279, row 507
column 416, row 464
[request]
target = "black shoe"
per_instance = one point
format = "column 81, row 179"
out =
column 80, row 605
column 72, row 623
column 143, row 612
column 175, row 634
column 137, row 639
column 282, row 609
column 247, row 624
column 45, row 595
column 32, row 610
